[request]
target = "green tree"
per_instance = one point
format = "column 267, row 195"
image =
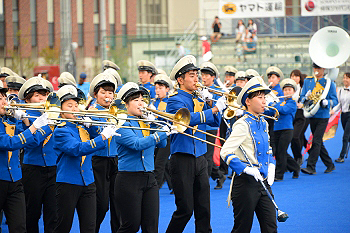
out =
column 51, row 55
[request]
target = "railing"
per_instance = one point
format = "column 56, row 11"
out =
column 280, row 26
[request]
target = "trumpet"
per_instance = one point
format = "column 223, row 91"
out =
column 181, row 120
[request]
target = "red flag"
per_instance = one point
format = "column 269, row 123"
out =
column 216, row 155
column 329, row 132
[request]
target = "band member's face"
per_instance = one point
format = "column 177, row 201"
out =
column 273, row 80
column 38, row 97
column 13, row 91
column 319, row 72
column 295, row 78
column 240, row 83
column 257, row 104
column 104, row 98
column 288, row 91
column 346, row 80
column 161, row 91
column 2, row 79
column 69, row 105
column 207, row 79
column 230, row 79
column 3, row 103
column 134, row 106
column 188, row 83
column 144, row 76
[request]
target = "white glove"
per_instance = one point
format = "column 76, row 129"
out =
column 271, row 174
column 324, row 103
column 150, row 117
column 20, row 115
column 253, row 171
column 221, row 103
column 110, row 131
column 308, row 93
column 41, row 121
column 87, row 124
column 206, row 95
column 239, row 112
column 171, row 130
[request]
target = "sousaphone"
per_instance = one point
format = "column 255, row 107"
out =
column 329, row 47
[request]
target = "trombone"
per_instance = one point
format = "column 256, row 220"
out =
column 181, row 119
column 52, row 106
column 231, row 94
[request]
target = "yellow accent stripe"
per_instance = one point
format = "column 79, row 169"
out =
column 93, row 141
column 91, row 144
column 21, row 137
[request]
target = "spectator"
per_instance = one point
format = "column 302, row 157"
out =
column 83, row 85
column 215, row 37
column 206, row 53
column 249, row 46
column 180, row 51
column 251, row 28
column 240, row 31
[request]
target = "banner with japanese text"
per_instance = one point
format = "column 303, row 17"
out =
column 324, row 7
column 251, row 9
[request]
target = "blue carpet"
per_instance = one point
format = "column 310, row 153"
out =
column 317, row 203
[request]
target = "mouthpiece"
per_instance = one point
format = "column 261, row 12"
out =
column 108, row 100
column 316, row 72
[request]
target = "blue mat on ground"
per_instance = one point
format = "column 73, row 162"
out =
column 317, row 203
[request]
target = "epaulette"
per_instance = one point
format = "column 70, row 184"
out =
column 309, row 76
column 216, row 86
column 93, row 108
column 63, row 123
column 173, row 94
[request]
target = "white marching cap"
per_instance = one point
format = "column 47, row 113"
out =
column 34, row 84
column 274, row 70
column 101, row 79
column 253, row 85
column 210, row 68
column 184, row 65
column 67, row 78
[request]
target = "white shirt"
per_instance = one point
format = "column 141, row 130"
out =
column 344, row 100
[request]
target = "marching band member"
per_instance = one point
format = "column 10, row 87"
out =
column 75, row 188
column 14, row 83
column 209, row 74
column 105, row 161
column 230, row 73
column 4, row 72
column 66, row 78
column 12, row 199
column 107, row 64
column 274, row 75
column 240, row 79
column 189, row 168
column 163, row 86
column 299, row 119
column 39, row 162
column 251, row 73
column 284, row 131
column 318, row 123
column 344, row 106
column 115, row 74
column 250, row 134
column 147, row 72
column 137, row 192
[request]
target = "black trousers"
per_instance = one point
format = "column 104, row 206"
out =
column 213, row 171
column 105, row 171
column 40, row 189
column 249, row 196
column 83, row 199
column 190, row 180
column 161, row 163
column 303, row 137
column 298, row 134
column 318, row 127
column 345, row 121
column 137, row 196
column 284, row 161
column 272, row 135
column 12, row 201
